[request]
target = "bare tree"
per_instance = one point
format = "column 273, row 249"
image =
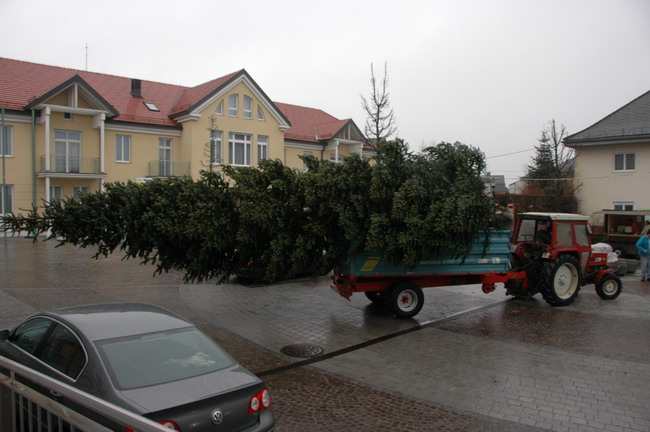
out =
column 380, row 123
column 210, row 151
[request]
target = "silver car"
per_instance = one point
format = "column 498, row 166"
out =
column 145, row 359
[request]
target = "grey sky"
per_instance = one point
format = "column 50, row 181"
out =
column 489, row 73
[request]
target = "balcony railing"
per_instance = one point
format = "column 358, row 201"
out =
column 24, row 409
column 168, row 169
column 72, row 164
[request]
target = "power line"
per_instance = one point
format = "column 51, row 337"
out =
column 508, row 154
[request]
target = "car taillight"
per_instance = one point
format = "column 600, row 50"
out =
column 168, row 424
column 260, row 401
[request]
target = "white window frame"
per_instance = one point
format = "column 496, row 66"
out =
column 79, row 190
column 623, row 205
column 304, row 165
column 233, row 105
column 260, row 113
column 262, row 148
column 625, row 160
column 334, row 159
column 6, row 204
column 247, row 109
column 219, row 108
column 123, row 148
column 7, row 148
column 239, row 149
column 216, row 142
column 165, row 157
column 56, row 193
column 67, row 151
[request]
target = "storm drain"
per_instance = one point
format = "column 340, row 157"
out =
column 302, row 350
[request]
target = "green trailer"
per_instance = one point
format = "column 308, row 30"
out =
column 548, row 253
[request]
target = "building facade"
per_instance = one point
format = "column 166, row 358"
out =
column 67, row 132
column 612, row 160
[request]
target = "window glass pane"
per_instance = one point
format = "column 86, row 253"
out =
column 629, row 161
column 63, row 352
column 162, row 357
column 216, row 143
column 239, row 149
column 56, row 193
column 123, row 148
column 7, row 144
column 28, row 335
column 6, row 198
column 219, row 108
column 260, row 113
column 527, row 230
column 232, row 104
column 262, row 147
column 582, row 235
column 248, row 107
column 564, row 234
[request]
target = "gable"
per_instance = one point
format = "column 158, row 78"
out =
column 197, row 99
column 630, row 123
column 73, row 93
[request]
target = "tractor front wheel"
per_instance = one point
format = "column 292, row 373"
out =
column 609, row 287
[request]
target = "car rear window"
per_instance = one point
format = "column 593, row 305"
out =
column 161, row 357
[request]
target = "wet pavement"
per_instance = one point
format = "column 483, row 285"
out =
column 468, row 362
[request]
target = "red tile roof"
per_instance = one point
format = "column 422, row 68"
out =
column 22, row 83
column 310, row 124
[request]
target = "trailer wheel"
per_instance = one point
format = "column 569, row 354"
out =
column 405, row 300
column 560, row 281
column 609, row 287
column 377, row 297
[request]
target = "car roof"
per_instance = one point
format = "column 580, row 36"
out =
column 553, row 216
column 111, row 320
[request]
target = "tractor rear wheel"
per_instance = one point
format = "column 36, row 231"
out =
column 560, row 280
column 609, row 287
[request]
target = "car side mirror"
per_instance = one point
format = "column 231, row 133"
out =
column 4, row 335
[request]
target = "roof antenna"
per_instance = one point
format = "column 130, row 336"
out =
column 86, row 57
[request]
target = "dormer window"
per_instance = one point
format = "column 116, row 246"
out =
column 151, row 106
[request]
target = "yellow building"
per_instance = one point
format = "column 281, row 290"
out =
column 66, row 132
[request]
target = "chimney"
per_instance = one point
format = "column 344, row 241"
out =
column 136, row 88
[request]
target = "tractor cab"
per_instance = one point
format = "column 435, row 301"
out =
column 548, row 235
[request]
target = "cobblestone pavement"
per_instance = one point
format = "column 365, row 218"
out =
column 467, row 362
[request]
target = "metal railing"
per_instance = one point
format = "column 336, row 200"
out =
column 161, row 168
column 71, row 164
column 24, row 409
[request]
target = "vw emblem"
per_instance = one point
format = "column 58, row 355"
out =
column 217, row 416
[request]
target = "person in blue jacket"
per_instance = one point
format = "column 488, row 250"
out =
column 643, row 246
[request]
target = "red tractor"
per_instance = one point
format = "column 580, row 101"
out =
column 554, row 249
